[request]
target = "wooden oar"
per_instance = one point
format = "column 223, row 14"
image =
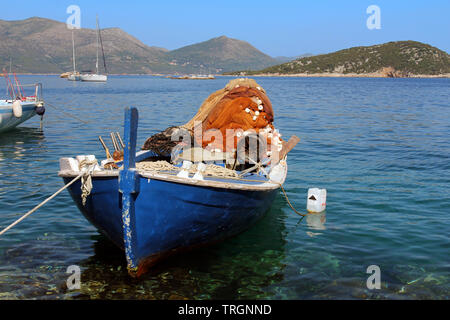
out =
column 120, row 140
column 287, row 147
column 108, row 155
column 114, row 141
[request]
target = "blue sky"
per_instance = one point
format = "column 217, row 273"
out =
column 277, row 27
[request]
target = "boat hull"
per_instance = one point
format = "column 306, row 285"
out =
column 74, row 77
column 7, row 119
column 171, row 217
column 93, row 78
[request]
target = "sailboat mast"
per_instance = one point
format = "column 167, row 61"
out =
column 73, row 53
column 96, row 64
column 103, row 51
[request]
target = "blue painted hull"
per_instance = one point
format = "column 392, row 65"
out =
column 171, row 216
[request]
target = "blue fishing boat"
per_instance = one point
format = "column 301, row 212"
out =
column 20, row 107
column 152, row 215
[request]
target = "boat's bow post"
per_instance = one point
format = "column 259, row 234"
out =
column 129, row 187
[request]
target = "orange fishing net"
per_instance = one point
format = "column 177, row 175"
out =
column 242, row 105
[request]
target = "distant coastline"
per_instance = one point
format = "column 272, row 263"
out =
column 341, row 75
column 274, row 75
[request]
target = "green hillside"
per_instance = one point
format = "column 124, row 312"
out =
column 405, row 57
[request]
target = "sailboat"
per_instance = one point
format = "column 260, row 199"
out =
column 75, row 75
column 96, row 77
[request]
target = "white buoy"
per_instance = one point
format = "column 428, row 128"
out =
column 17, row 109
column 317, row 200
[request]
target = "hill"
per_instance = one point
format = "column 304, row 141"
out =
column 39, row 45
column 218, row 55
column 396, row 59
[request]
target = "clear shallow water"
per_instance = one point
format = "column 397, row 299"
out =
column 379, row 146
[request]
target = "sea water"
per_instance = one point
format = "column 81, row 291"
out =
column 379, row 146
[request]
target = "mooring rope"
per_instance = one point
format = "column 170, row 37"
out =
column 290, row 205
column 41, row 204
column 66, row 113
column 86, row 179
column 82, row 174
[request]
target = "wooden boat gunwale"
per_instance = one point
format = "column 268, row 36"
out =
column 264, row 185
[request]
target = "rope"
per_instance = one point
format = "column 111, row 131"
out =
column 290, row 205
column 216, row 171
column 86, row 179
column 41, row 204
column 83, row 174
column 66, row 113
column 211, row 169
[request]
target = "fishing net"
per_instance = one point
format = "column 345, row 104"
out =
column 242, row 105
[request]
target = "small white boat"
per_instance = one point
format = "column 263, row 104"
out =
column 96, row 77
column 93, row 77
column 19, row 107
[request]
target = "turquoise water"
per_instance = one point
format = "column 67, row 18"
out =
column 379, row 146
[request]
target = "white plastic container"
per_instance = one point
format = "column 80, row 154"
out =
column 317, row 200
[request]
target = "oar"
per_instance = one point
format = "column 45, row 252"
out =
column 108, row 155
column 287, row 147
column 120, row 140
column 114, row 141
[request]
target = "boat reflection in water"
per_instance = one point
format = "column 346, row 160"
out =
column 13, row 142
